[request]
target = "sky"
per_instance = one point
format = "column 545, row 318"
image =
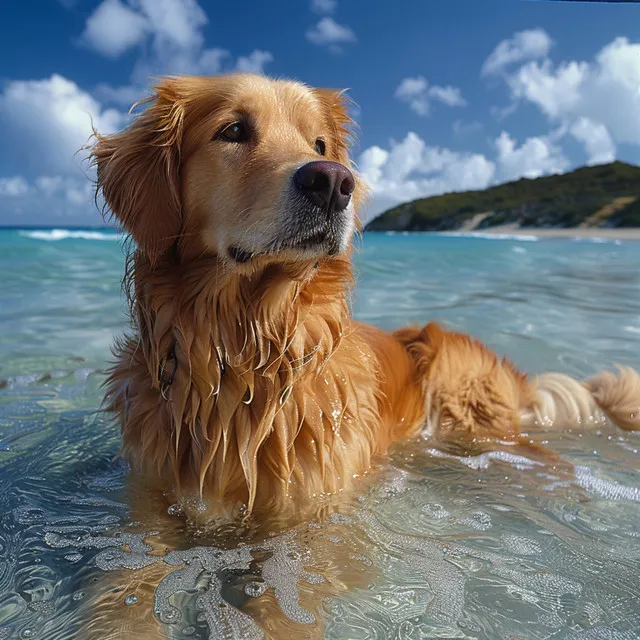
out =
column 449, row 96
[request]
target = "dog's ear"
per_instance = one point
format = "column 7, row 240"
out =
column 138, row 172
column 336, row 105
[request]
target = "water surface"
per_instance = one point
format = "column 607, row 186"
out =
column 488, row 547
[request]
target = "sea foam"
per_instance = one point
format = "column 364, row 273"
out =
column 52, row 235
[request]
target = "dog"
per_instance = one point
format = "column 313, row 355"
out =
column 245, row 381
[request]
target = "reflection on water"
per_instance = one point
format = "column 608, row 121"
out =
column 495, row 546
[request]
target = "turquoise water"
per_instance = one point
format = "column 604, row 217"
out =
column 486, row 547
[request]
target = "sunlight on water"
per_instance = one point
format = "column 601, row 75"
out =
column 496, row 546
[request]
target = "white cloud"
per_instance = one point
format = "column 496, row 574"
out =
column 125, row 95
column 45, row 122
column 327, row 32
column 418, row 94
column 323, row 6
column 411, row 169
column 556, row 91
column 212, row 61
column 461, row 128
column 13, row 187
column 70, row 199
column 413, row 91
column 73, row 190
column 536, row 157
column 172, row 41
column 113, row 28
column 173, row 26
column 597, row 101
column 597, row 142
column 526, row 45
column 254, row 62
column 451, row 96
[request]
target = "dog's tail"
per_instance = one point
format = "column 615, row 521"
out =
column 560, row 401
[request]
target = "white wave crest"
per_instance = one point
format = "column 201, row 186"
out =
column 490, row 236
column 52, row 235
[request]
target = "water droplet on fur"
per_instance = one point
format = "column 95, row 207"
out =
column 131, row 599
column 255, row 589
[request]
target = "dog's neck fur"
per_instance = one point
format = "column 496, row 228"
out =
column 246, row 346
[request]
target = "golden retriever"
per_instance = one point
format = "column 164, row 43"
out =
column 245, row 380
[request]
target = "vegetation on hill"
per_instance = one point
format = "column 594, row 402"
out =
column 601, row 196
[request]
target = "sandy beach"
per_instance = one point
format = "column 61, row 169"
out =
column 577, row 232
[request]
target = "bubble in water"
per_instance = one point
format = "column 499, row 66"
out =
column 78, row 595
column 175, row 510
column 43, row 607
column 131, row 599
column 28, row 633
column 255, row 589
column 169, row 615
column 188, row 631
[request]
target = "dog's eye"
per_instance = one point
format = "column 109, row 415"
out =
column 236, row 132
column 321, row 147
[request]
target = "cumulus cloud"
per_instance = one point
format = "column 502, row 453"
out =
column 46, row 121
column 412, row 169
column 556, row 91
column 537, row 156
column 596, row 101
column 418, row 94
column 327, row 32
column 254, row 62
column 597, row 142
column 526, row 45
column 113, row 28
column 323, row 6
column 170, row 39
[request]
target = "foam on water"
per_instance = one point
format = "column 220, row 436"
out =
column 519, row 237
column 54, row 235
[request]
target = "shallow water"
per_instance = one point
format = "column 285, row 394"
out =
column 488, row 547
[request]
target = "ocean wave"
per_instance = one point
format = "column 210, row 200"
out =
column 490, row 236
column 52, row 235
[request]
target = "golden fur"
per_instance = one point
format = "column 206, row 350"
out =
column 248, row 383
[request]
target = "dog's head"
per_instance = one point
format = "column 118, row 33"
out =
column 240, row 166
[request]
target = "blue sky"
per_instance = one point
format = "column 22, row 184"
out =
column 450, row 95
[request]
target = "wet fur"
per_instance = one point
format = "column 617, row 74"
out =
column 250, row 385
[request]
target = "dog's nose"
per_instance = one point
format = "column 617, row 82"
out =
column 327, row 184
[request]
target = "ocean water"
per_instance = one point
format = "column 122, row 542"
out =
column 493, row 546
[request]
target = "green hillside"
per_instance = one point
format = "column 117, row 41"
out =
column 602, row 196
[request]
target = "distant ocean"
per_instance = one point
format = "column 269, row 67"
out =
column 497, row 544
column 564, row 304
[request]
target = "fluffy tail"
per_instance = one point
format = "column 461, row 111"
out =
column 560, row 401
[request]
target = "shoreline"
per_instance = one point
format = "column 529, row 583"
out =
column 514, row 232
column 591, row 233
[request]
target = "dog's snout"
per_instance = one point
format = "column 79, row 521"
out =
column 329, row 185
